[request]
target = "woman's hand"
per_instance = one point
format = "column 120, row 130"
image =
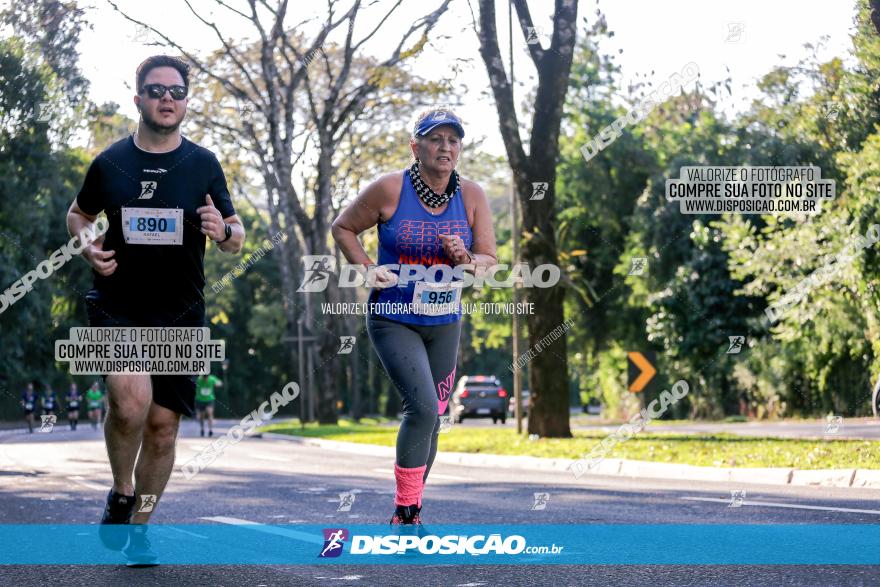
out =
column 382, row 278
column 454, row 248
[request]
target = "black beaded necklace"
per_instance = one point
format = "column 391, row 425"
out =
column 431, row 198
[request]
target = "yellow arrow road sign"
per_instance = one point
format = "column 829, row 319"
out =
column 646, row 371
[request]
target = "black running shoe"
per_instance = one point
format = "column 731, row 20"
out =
column 119, row 510
column 407, row 521
column 405, row 515
column 139, row 552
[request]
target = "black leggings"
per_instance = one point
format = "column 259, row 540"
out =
column 420, row 360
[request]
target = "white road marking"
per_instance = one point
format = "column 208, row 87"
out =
column 257, row 527
column 271, row 458
column 79, row 480
column 431, row 476
column 794, row 506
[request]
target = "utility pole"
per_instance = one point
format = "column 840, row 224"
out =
column 514, row 234
column 304, row 377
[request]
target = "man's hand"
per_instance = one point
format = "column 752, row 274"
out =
column 454, row 248
column 212, row 221
column 100, row 260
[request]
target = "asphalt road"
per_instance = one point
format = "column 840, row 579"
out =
column 62, row 477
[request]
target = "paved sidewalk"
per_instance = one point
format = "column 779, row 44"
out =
column 862, row 478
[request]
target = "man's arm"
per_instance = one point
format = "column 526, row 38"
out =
column 236, row 241
column 215, row 217
column 214, row 227
column 77, row 220
column 94, row 254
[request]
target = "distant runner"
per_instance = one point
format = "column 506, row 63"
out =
column 205, row 385
column 73, row 400
column 95, row 404
column 49, row 403
column 29, row 404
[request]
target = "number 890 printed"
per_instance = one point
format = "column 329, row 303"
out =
column 151, row 224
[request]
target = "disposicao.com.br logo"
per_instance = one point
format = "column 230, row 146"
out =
column 319, row 270
column 451, row 544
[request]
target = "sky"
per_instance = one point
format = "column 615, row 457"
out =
column 748, row 37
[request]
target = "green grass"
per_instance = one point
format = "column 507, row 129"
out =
column 707, row 450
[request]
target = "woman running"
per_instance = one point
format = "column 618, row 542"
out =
column 427, row 215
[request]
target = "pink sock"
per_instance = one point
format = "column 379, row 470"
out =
column 409, row 485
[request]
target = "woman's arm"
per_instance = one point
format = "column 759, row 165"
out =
column 483, row 248
column 364, row 212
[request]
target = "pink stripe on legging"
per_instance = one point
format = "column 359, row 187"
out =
column 444, row 389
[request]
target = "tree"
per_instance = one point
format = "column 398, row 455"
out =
column 106, row 126
column 39, row 176
column 548, row 371
column 822, row 353
column 592, row 230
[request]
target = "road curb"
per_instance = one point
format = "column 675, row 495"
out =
column 859, row 478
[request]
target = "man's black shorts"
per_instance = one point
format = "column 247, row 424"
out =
column 202, row 406
column 175, row 392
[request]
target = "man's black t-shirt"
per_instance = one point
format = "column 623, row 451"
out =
column 150, row 200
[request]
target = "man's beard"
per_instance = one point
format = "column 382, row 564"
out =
column 158, row 128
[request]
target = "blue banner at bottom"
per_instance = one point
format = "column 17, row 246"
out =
column 261, row 544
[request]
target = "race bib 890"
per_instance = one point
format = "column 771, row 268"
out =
column 152, row 226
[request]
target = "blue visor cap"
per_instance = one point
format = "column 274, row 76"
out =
column 439, row 118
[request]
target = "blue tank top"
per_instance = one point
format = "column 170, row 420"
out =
column 411, row 237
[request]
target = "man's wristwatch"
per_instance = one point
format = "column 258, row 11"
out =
column 228, row 234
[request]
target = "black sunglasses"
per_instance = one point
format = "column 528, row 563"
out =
column 158, row 90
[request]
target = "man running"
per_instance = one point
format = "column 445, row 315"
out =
column 73, row 400
column 95, row 404
column 427, row 216
column 205, row 385
column 149, row 273
column 29, row 405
